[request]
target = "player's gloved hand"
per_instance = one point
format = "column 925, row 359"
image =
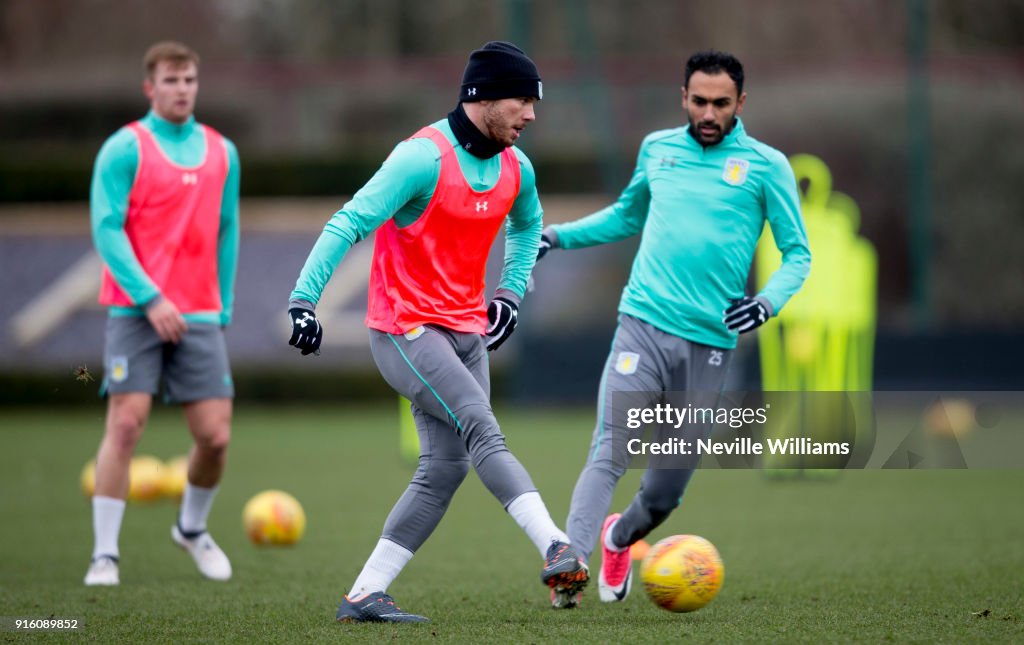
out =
column 745, row 314
column 502, row 316
column 544, row 246
column 306, row 331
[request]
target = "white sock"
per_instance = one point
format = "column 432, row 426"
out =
column 195, row 508
column 532, row 516
column 608, row 544
column 385, row 563
column 107, row 513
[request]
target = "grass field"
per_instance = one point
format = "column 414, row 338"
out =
column 868, row 556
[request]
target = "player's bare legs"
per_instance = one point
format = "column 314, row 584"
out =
column 126, row 419
column 209, row 421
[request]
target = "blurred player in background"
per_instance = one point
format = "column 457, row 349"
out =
column 438, row 202
column 164, row 205
column 700, row 196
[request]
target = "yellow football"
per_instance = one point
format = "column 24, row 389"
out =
column 175, row 477
column 145, row 478
column 88, row 478
column 274, row 517
column 682, row 573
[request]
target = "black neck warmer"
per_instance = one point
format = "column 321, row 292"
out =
column 475, row 142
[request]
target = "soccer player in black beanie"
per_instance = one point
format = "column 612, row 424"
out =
column 437, row 205
column 499, row 70
column 484, row 122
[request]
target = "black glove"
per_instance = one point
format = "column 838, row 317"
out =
column 502, row 315
column 306, row 331
column 745, row 314
column 544, row 246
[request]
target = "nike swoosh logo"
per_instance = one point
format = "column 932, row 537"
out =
column 621, row 594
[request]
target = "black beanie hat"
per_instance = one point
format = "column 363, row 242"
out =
column 499, row 70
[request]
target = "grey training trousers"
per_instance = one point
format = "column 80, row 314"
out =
column 445, row 375
column 646, row 360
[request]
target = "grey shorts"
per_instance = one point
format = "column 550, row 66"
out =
column 195, row 369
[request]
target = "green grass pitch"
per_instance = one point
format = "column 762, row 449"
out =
column 932, row 556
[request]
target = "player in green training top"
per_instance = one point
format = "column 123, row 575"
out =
column 700, row 196
column 436, row 206
column 164, row 211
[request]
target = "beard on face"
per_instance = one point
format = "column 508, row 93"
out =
column 715, row 138
column 497, row 128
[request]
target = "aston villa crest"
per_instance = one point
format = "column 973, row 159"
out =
column 735, row 172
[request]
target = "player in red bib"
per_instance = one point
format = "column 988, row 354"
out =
column 437, row 205
column 164, row 211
